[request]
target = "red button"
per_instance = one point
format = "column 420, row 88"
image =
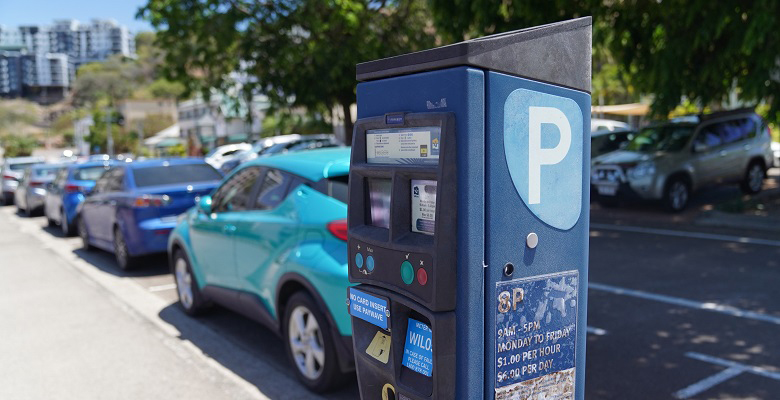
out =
column 422, row 276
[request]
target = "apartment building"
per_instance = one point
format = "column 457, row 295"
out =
column 49, row 55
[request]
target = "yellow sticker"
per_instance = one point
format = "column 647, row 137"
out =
column 380, row 347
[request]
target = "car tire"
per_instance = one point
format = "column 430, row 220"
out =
column 191, row 299
column 677, row 194
column 67, row 228
column 309, row 344
column 754, row 177
column 123, row 258
column 84, row 234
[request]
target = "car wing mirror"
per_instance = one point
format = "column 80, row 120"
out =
column 204, row 205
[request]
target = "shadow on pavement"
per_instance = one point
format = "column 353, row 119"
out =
column 256, row 343
column 154, row 265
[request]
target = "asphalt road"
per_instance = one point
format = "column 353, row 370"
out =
column 669, row 315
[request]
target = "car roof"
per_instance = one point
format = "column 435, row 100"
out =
column 21, row 160
column 310, row 164
column 49, row 166
column 609, row 132
column 88, row 164
column 161, row 162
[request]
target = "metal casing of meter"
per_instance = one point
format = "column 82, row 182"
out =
column 509, row 321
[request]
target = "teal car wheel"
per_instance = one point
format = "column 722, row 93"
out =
column 310, row 345
column 190, row 297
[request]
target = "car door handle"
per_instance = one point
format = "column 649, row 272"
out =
column 747, row 147
column 229, row 229
column 723, row 153
column 111, row 202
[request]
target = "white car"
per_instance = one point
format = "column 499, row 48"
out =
column 597, row 124
column 217, row 156
column 776, row 154
column 12, row 172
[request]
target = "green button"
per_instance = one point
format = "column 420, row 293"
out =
column 407, row 272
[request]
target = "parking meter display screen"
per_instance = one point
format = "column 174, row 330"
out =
column 403, row 145
column 379, row 199
column 423, row 206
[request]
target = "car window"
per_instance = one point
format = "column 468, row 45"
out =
column 661, row 138
column 174, row 174
column 102, row 182
column 273, row 190
column 89, row 173
column 235, row 194
column 116, row 182
column 62, row 176
column 20, row 166
column 45, row 172
column 710, row 135
column 334, row 186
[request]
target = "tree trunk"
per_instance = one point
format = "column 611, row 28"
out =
column 348, row 124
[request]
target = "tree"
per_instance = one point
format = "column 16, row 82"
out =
column 17, row 145
column 698, row 50
column 300, row 53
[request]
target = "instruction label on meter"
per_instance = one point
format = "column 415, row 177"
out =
column 423, row 206
column 418, row 349
column 536, row 336
column 369, row 308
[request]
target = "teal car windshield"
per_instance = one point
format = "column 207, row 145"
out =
column 672, row 138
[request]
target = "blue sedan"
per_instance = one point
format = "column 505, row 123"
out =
column 68, row 190
column 133, row 206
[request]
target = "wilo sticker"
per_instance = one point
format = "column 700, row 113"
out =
column 418, row 349
column 536, row 337
column 543, row 142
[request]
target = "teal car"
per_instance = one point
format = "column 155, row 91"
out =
column 270, row 243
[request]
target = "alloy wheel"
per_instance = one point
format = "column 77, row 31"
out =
column 755, row 178
column 306, row 343
column 184, row 283
column 679, row 195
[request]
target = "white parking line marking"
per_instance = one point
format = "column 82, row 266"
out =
column 709, row 306
column 708, row 382
column 162, row 288
column 733, row 369
column 693, row 235
column 596, row 331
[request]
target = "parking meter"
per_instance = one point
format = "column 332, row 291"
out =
column 468, row 219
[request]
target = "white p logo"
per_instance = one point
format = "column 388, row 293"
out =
column 537, row 156
column 544, row 141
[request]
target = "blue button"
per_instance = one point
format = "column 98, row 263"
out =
column 370, row 263
column 359, row 260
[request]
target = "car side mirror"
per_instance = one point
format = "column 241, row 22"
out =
column 699, row 147
column 204, row 205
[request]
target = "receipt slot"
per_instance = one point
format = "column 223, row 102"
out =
column 468, row 219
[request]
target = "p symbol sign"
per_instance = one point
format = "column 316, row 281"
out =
column 543, row 147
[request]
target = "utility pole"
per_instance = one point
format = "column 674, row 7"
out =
column 140, row 131
column 109, row 136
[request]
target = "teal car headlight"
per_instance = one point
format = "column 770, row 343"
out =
column 642, row 170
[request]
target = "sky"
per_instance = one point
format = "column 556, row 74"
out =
column 42, row 12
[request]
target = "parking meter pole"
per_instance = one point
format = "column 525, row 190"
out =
column 467, row 220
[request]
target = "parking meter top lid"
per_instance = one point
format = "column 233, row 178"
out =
column 558, row 53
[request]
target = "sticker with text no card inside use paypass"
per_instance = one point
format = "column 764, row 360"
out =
column 369, row 308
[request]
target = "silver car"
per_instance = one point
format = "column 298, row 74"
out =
column 12, row 171
column 31, row 193
column 669, row 161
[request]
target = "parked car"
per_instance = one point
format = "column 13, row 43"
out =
column 606, row 141
column 598, row 124
column 31, row 192
column 283, row 144
column 284, row 220
column 133, row 206
column 222, row 153
column 776, row 154
column 68, row 190
column 13, row 169
column 670, row 160
column 243, row 156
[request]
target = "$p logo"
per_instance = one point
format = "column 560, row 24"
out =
column 543, row 139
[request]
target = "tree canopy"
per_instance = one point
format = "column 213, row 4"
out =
column 300, row 53
column 697, row 50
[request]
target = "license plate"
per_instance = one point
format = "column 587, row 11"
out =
column 607, row 190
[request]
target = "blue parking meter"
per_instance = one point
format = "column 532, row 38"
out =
column 468, row 219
